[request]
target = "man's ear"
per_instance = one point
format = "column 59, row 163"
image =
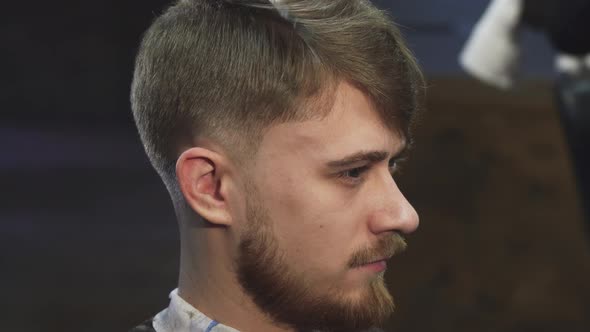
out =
column 201, row 173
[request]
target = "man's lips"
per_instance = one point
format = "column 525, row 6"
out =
column 375, row 266
column 373, row 261
column 378, row 260
column 384, row 249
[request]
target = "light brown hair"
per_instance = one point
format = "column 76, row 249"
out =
column 228, row 69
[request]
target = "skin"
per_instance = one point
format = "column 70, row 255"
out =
column 320, row 216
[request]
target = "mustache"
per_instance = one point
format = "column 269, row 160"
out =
column 384, row 249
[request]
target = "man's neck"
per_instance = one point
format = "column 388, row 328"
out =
column 207, row 281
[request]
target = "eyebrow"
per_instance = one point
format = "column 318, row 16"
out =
column 372, row 157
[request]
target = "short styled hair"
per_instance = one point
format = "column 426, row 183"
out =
column 228, row 69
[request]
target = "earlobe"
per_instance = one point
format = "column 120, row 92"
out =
column 200, row 172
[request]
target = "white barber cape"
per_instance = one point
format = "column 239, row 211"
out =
column 183, row 317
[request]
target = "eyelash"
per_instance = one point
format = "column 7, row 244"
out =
column 394, row 166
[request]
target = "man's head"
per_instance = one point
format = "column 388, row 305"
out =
column 319, row 213
column 278, row 126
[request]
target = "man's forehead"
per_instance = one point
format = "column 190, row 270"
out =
column 339, row 141
column 353, row 124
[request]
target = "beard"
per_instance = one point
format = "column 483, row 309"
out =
column 290, row 300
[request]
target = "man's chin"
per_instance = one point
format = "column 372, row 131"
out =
column 342, row 308
column 371, row 305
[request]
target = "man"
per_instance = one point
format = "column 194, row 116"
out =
column 276, row 127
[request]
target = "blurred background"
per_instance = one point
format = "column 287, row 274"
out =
column 88, row 239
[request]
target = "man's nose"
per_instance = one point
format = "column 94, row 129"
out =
column 394, row 212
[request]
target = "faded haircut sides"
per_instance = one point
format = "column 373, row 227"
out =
column 226, row 70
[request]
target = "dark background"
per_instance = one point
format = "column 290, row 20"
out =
column 88, row 238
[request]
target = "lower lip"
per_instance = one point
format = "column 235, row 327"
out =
column 379, row 266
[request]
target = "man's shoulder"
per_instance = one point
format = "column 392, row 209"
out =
column 146, row 326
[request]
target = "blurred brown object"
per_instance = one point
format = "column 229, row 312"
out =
column 500, row 246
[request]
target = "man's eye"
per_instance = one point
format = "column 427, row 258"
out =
column 354, row 173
